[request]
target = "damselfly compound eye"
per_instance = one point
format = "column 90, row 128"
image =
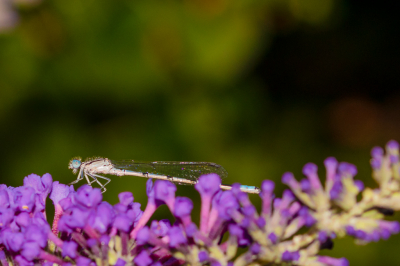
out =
column 76, row 163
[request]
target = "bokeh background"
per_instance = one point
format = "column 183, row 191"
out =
column 260, row 87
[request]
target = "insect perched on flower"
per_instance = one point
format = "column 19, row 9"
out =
column 290, row 230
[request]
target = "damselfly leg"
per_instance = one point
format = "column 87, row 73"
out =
column 95, row 179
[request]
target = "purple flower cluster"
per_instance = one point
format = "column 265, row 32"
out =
column 268, row 236
column 83, row 226
column 24, row 230
column 87, row 231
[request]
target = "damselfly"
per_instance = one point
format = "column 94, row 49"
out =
column 187, row 173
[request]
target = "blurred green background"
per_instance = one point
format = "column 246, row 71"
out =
column 260, row 87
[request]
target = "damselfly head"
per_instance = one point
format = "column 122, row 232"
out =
column 75, row 164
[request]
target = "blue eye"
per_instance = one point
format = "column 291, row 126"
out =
column 76, row 163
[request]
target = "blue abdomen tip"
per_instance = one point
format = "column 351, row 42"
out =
column 248, row 187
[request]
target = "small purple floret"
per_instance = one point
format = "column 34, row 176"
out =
column 392, row 145
column 333, row 261
column 203, row 256
column 123, row 223
column 336, row 190
column 125, row 198
column 273, row 238
column 267, row 186
column 375, row 236
column 6, row 216
column 376, row 163
column 261, row 222
column 30, row 250
column 350, row 230
column 191, row 230
column 36, row 234
column 286, row 256
column 143, row 259
column 215, row 263
column 394, row 159
column 160, row 228
column 393, row 227
column 120, row 262
column 12, row 241
column 249, row 211
column 225, row 203
column 24, row 198
column 236, row 189
column 322, row 236
column 74, row 218
column 359, row 184
column 347, row 168
column 102, row 218
column 310, row 169
column 83, row 261
column 239, row 232
column 295, row 256
column 305, row 185
column 69, row 249
column 105, row 239
column 4, row 199
column 88, row 197
column 149, row 188
column 377, row 152
column 255, row 248
column 21, row 261
column 308, row 218
column 40, row 185
column 277, row 203
column 331, row 164
column 235, row 230
column 164, row 191
column 143, row 236
column 385, row 234
column 176, row 236
column 287, row 178
column 288, row 196
column 360, row 234
column 59, row 192
column 183, row 206
column 208, row 184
